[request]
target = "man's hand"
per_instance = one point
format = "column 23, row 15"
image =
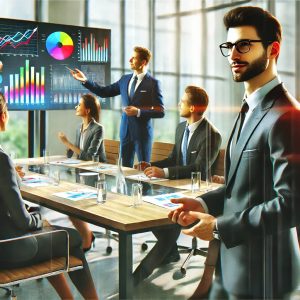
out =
column 78, row 75
column 19, row 170
column 63, row 138
column 180, row 216
column 142, row 166
column 204, row 228
column 154, row 172
column 218, row 179
column 131, row 111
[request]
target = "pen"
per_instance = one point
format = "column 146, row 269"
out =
column 69, row 69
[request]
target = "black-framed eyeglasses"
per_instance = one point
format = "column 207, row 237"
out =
column 242, row 46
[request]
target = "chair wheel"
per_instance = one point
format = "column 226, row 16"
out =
column 108, row 249
column 144, row 246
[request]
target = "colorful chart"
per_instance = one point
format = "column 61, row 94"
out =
column 59, row 45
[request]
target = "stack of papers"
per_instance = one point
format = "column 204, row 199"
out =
column 68, row 161
column 36, row 181
column 143, row 177
column 164, row 200
column 77, row 195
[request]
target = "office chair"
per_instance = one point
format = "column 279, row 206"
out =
column 192, row 251
column 10, row 278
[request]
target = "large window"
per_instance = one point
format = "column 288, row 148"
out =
column 15, row 139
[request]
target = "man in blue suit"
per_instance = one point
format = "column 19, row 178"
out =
column 142, row 100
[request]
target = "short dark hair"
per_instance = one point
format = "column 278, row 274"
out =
column 144, row 53
column 267, row 26
column 197, row 97
column 92, row 103
column 3, row 105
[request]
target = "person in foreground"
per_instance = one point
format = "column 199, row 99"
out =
column 202, row 145
column 142, row 100
column 16, row 221
column 89, row 142
column 255, row 212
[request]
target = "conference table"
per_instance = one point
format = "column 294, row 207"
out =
column 117, row 213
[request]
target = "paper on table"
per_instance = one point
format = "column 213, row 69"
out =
column 143, row 177
column 66, row 162
column 36, row 181
column 164, row 200
column 106, row 167
column 77, row 194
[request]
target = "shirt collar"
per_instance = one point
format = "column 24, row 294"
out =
column 255, row 98
column 140, row 76
column 81, row 129
column 192, row 127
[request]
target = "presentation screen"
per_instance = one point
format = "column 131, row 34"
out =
column 35, row 59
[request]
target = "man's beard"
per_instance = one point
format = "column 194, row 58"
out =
column 252, row 70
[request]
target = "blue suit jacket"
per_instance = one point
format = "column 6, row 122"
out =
column 148, row 98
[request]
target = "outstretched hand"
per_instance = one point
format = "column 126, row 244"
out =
column 78, row 75
column 204, row 228
column 180, row 216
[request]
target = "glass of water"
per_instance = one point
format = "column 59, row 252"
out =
column 137, row 193
column 195, row 181
column 101, row 191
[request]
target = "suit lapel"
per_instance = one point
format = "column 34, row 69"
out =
column 179, row 141
column 140, row 87
column 257, row 116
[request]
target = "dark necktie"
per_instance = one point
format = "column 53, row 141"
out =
column 132, row 88
column 240, row 122
column 185, row 145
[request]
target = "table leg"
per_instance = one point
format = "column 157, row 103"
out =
column 125, row 266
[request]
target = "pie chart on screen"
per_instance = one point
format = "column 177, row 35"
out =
column 59, row 45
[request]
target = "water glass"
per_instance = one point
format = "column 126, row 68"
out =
column 46, row 156
column 195, row 181
column 137, row 193
column 55, row 176
column 96, row 160
column 101, row 191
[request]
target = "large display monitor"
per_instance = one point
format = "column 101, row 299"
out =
column 36, row 59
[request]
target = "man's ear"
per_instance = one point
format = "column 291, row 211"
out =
column 275, row 49
column 192, row 108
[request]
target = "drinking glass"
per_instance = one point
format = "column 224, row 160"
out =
column 46, row 156
column 195, row 181
column 96, row 161
column 101, row 191
column 136, row 193
column 55, row 176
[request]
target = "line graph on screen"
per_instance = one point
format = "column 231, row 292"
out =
column 18, row 40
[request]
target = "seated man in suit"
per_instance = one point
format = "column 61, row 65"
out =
column 197, row 144
column 197, row 135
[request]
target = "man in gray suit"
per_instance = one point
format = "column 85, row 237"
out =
column 203, row 141
column 255, row 213
column 202, row 144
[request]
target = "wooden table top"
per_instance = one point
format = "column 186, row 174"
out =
column 116, row 213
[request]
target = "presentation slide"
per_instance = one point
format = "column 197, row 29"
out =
column 37, row 57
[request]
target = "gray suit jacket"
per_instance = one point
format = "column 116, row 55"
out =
column 93, row 143
column 205, row 138
column 258, row 207
column 14, row 219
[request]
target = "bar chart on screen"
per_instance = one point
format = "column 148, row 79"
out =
column 26, row 86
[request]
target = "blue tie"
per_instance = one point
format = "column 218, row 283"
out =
column 132, row 88
column 185, row 144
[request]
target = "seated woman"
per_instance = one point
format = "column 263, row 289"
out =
column 89, row 142
column 89, row 135
column 16, row 221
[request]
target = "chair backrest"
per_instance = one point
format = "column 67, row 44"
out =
column 112, row 149
column 218, row 166
column 161, row 150
column 12, row 276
